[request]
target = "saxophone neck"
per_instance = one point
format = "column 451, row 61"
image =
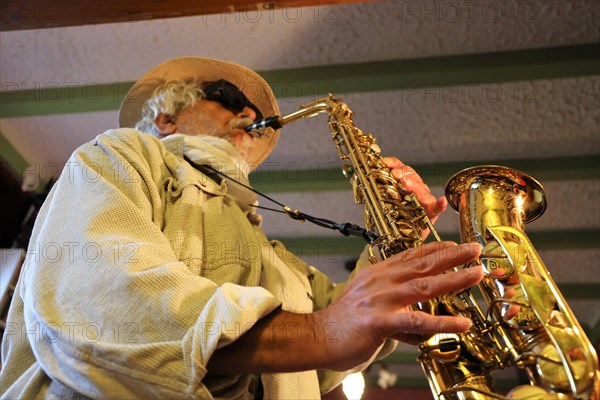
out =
column 257, row 129
column 324, row 105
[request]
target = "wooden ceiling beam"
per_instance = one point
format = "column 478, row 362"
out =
column 38, row 14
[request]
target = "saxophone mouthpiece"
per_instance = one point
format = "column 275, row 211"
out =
column 257, row 129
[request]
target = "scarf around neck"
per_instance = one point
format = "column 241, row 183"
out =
column 221, row 155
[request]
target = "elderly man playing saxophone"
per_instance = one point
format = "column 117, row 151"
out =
column 170, row 305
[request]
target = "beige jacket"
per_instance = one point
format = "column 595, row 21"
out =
column 138, row 269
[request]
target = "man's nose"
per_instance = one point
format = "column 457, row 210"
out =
column 247, row 112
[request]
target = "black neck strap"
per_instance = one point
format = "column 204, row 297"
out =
column 347, row 229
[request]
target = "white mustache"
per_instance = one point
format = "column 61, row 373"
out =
column 240, row 122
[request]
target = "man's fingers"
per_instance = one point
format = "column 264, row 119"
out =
column 412, row 325
column 422, row 251
column 401, row 171
column 413, row 183
column 409, row 178
column 440, row 206
column 430, row 259
column 423, row 289
column 392, row 162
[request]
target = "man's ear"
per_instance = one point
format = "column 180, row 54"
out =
column 165, row 124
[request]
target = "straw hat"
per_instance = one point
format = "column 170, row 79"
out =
column 254, row 87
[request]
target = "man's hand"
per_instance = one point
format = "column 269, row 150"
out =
column 373, row 307
column 409, row 178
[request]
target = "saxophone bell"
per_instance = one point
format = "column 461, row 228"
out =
column 532, row 325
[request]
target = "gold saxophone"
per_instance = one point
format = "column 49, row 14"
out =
column 527, row 322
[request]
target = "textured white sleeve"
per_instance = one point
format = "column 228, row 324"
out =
column 109, row 310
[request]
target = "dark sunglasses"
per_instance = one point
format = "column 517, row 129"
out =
column 229, row 96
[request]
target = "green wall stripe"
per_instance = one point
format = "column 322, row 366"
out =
column 291, row 178
column 548, row 63
column 544, row 170
column 519, row 65
column 580, row 291
column 52, row 98
column 11, row 157
column 594, row 334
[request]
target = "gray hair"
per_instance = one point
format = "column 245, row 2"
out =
column 169, row 98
